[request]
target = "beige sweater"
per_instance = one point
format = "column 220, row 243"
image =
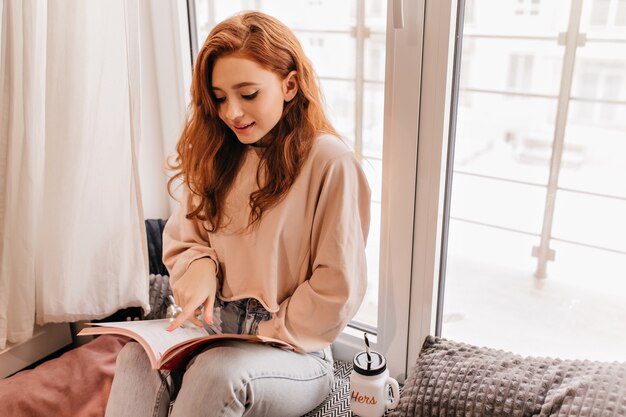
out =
column 304, row 261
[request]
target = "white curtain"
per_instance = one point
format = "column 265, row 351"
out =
column 72, row 241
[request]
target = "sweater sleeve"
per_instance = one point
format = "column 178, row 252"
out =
column 321, row 307
column 185, row 241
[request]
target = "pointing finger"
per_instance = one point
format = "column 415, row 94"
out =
column 208, row 310
column 180, row 319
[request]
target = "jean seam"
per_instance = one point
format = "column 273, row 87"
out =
column 270, row 376
column 157, row 403
column 324, row 361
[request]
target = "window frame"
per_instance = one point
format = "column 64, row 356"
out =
column 403, row 70
column 435, row 153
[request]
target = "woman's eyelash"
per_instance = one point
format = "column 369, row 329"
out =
column 244, row 96
column 249, row 96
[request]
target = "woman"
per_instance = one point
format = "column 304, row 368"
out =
column 269, row 237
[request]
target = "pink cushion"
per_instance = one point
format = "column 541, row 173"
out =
column 75, row 384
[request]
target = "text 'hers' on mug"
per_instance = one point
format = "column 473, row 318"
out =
column 372, row 390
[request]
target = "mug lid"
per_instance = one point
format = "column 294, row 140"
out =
column 377, row 364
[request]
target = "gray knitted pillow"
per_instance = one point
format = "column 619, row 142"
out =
column 457, row 379
column 159, row 290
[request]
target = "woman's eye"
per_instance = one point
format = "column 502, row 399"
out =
column 249, row 96
column 220, row 99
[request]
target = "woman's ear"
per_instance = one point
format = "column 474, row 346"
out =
column 290, row 86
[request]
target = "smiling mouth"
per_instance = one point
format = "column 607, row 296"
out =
column 244, row 127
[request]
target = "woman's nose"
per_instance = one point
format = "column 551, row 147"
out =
column 233, row 110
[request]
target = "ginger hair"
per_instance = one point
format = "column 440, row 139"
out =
column 209, row 154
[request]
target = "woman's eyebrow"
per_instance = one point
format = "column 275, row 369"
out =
column 239, row 85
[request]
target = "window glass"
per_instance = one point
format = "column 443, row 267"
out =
column 316, row 15
column 505, row 135
column 374, row 68
column 515, row 17
column 321, row 49
column 497, row 203
column 536, row 246
column 620, row 19
column 530, row 66
column 604, row 18
column 340, row 106
column 600, row 12
column 373, row 95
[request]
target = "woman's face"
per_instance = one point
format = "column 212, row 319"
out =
column 250, row 98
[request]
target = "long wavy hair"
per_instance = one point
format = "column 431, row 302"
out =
column 209, row 154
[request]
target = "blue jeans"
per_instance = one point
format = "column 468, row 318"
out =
column 241, row 316
column 231, row 378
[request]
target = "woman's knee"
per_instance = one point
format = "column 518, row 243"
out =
column 132, row 355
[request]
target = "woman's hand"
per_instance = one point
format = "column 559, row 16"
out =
column 196, row 287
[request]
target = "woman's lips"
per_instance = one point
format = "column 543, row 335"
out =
column 243, row 128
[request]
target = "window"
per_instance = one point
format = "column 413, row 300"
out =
column 534, row 251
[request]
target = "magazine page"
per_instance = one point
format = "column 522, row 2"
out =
column 177, row 357
column 154, row 333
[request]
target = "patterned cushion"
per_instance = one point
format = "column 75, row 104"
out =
column 338, row 401
column 458, row 379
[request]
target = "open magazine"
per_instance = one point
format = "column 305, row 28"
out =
column 172, row 350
